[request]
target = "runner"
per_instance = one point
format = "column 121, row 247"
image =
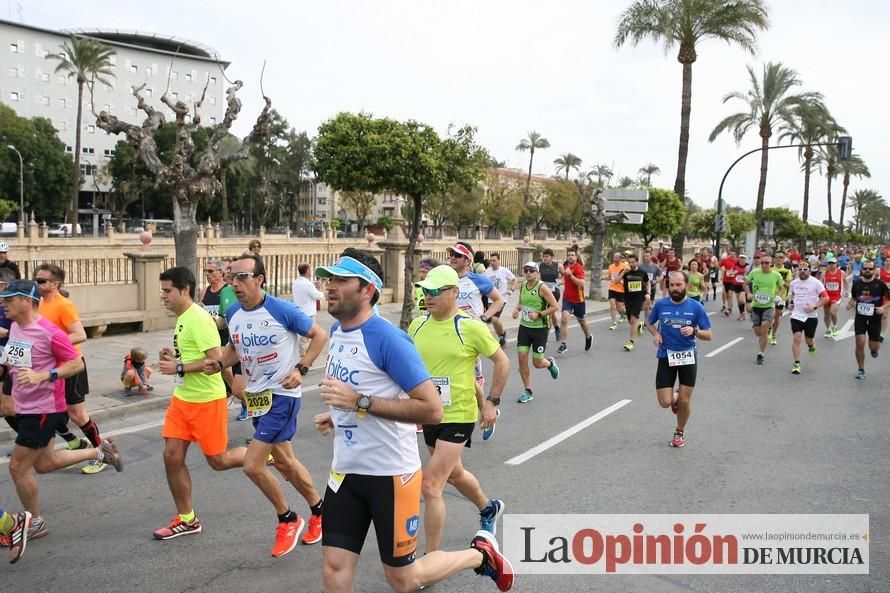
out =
column 423, row 269
column 6, row 263
column 869, row 296
column 698, row 282
column 636, row 293
column 653, row 271
column 680, row 321
column 670, row 264
column 573, row 300
column 14, row 533
column 533, row 310
column 765, row 284
column 307, row 296
column 727, row 264
column 39, row 354
column 375, row 475
column 504, row 282
column 787, row 276
column 61, row 312
column 616, row 290
column 449, row 341
column 550, row 275
column 856, row 266
column 808, row 295
column 837, row 285
column 227, row 299
column 884, row 276
column 741, row 283
column 266, row 333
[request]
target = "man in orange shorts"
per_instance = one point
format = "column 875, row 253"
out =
column 197, row 411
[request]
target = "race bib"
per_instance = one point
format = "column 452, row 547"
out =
column 335, row 480
column 635, row 286
column 526, row 314
column 680, row 358
column 258, row 404
column 213, row 310
column 177, row 380
column 800, row 315
column 832, row 286
column 730, row 273
column 18, row 353
column 761, row 298
column 443, row 386
column 865, row 309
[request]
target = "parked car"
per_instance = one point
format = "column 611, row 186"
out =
column 8, row 228
column 63, row 229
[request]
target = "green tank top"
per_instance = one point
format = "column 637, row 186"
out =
column 695, row 284
column 530, row 299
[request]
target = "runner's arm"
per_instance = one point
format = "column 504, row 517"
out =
column 75, row 332
column 495, row 303
column 69, row 368
column 318, row 339
column 167, row 365
column 704, row 335
column 423, row 405
column 552, row 306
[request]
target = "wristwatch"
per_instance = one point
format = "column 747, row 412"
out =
column 180, row 368
column 304, row 370
column 363, row 403
column 495, row 400
column 484, row 319
column 53, row 374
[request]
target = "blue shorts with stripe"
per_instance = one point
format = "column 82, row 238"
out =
column 280, row 423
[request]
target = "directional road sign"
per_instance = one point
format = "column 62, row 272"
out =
column 633, row 203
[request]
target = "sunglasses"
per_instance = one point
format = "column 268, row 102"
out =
column 242, row 276
column 42, row 280
column 527, row 270
column 868, row 269
column 434, row 292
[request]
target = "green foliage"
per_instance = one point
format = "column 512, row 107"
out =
column 47, row 168
column 738, row 224
column 664, row 217
column 335, row 223
column 7, row 207
column 787, row 225
column 360, row 203
column 561, row 204
column 701, row 225
column 502, row 203
column 817, row 232
column 385, row 222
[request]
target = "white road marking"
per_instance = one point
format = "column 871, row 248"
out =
column 555, row 440
column 845, row 332
column 724, row 347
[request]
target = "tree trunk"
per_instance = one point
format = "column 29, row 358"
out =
column 408, row 295
column 683, row 149
column 75, row 182
column 829, row 175
column 185, row 232
column 761, row 190
column 224, row 198
column 598, row 240
column 807, row 166
column 844, row 200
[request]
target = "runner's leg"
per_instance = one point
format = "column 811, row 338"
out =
column 444, row 458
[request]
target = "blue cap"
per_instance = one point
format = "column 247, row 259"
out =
column 25, row 288
column 348, row 267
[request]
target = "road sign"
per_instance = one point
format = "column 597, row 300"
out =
column 632, row 203
column 621, row 206
column 633, row 218
column 625, row 194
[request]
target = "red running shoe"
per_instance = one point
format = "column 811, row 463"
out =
column 178, row 527
column 313, row 532
column 678, row 439
column 286, row 536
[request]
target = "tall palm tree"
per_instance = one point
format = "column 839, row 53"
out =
column 625, row 182
column 88, row 61
column 852, row 167
column 811, row 123
column 826, row 160
column 534, row 141
column 861, row 201
column 566, row 162
column 682, row 24
column 768, row 104
column 649, row 170
column 601, row 172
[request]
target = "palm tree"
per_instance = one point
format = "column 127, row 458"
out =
column 649, row 170
column 861, row 201
column 852, row 167
column 826, row 160
column 566, row 162
column 767, row 104
column 531, row 143
column 682, row 24
column 88, row 61
column 811, row 123
column 601, row 172
column 626, row 182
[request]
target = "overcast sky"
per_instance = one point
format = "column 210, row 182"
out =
column 507, row 67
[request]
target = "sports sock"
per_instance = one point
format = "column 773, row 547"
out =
column 316, row 509
column 287, row 517
column 6, row 522
column 187, row 517
column 91, row 431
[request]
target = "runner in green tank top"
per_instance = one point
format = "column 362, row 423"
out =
column 536, row 303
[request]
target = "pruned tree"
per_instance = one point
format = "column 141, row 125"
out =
column 187, row 184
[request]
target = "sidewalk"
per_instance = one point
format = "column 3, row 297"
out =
column 104, row 358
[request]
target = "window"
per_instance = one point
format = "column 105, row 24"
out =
column 213, row 80
column 213, row 120
column 188, row 76
column 68, row 149
column 15, row 48
column 87, row 169
column 134, row 68
column 42, row 100
column 91, row 129
column 174, row 75
column 149, row 92
column 322, row 201
column 148, row 71
column 14, row 72
column 88, row 150
column 39, row 51
column 63, row 103
column 107, row 108
column 41, row 75
column 109, row 152
column 14, row 96
column 63, row 80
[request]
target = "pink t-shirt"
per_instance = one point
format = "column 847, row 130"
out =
column 43, row 346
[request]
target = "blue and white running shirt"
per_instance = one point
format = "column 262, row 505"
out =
column 469, row 293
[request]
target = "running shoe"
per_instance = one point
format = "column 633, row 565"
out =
column 488, row 431
column 759, row 358
column 772, row 340
column 557, row 332
column 795, row 369
column 812, row 350
column 554, row 370
column 313, row 532
column 494, row 564
column 588, row 342
column 562, row 348
column 488, row 517
column 881, row 338
column 835, row 332
column 828, row 333
column 614, row 326
column 874, row 353
column 678, row 440
column 286, row 536
column 622, row 319
column 860, row 374
column 526, row 397
column 78, row 443
column 243, row 415
column 93, row 467
column 502, row 340
column 178, row 527
column 18, row 537
column 629, row 345
column 640, row 329
column 270, row 459
column 37, row 528
column 112, row 455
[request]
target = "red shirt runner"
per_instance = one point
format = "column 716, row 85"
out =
column 834, row 285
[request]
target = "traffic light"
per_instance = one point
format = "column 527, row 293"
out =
column 844, row 147
column 719, row 223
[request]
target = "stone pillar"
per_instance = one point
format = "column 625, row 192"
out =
column 526, row 254
column 44, row 230
column 146, row 271
column 32, row 228
column 262, row 233
column 217, row 231
column 200, row 232
column 209, row 229
column 109, row 231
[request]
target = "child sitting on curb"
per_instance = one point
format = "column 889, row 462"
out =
column 136, row 373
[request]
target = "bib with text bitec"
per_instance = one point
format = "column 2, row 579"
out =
column 258, row 404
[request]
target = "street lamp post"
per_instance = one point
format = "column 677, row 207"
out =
column 21, row 184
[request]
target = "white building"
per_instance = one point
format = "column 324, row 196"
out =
column 29, row 85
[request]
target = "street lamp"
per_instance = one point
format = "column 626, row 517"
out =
column 21, row 183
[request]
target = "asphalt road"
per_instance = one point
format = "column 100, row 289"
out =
column 760, row 441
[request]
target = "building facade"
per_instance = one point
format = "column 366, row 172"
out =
column 29, row 85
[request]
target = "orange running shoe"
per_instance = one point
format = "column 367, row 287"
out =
column 286, row 536
column 313, row 532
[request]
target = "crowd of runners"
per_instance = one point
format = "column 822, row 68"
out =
column 383, row 385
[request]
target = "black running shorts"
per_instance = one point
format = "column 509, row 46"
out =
column 808, row 327
column 868, row 325
column 77, row 386
column 450, row 432
column 666, row 376
column 36, row 431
